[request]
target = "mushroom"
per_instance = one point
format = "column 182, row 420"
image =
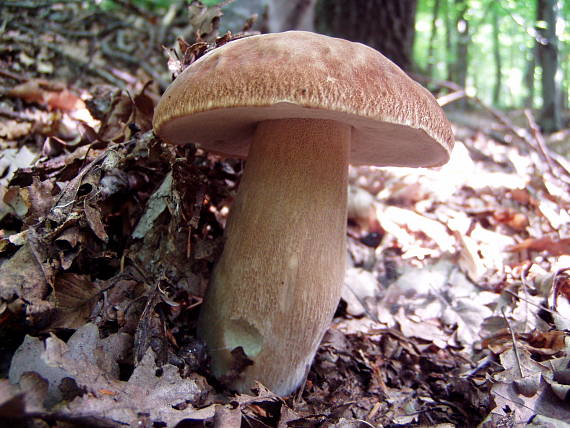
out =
column 300, row 106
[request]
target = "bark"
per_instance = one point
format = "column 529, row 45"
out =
column 433, row 34
column 529, row 78
column 291, row 15
column 385, row 25
column 448, row 39
column 551, row 117
column 497, row 56
column 462, row 47
column 565, row 80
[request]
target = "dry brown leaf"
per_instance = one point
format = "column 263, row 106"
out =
column 42, row 92
column 84, row 359
column 22, row 276
column 555, row 247
column 41, row 198
column 553, row 340
column 93, row 217
column 75, row 297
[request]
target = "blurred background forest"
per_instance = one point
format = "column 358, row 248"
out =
column 510, row 54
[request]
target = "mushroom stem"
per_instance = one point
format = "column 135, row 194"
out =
column 277, row 284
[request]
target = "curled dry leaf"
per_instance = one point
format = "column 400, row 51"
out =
column 93, row 217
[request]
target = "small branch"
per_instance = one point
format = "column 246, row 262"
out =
column 451, row 97
column 12, row 76
column 539, row 141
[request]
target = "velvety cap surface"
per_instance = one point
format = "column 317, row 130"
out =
column 218, row 100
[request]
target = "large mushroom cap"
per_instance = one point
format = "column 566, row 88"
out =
column 218, row 100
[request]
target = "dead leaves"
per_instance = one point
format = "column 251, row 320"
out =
column 55, row 97
column 75, row 297
column 491, row 251
column 89, row 365
column 528, row 388
column 205, row 21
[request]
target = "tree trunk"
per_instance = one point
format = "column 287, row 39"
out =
column 285, row 15
column 463, row 39
column 565, row 80
column 385, row 25
column 433, row 34
column 529, row 78
column 448, row 40
column 497, row 56
column 551, row 117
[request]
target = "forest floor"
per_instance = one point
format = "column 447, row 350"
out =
column 456, row 305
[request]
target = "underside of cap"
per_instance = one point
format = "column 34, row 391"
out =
column 218, row 100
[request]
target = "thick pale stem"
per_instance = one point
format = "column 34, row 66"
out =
column 276, row 287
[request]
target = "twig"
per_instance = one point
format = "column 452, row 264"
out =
column 13, row 76
column 553, row 312
column 451, row 97
column 539, row 140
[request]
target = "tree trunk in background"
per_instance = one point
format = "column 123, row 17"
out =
column 529, row 78
column 551, row 117
column 448, row 39
column 565, row 85
column 385, row 25
column 285, row 15
column 463, row 39
column 497, row 56
column 432, row 36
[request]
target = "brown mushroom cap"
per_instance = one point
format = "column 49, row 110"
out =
column 218, row 100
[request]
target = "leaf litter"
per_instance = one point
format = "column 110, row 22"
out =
column 456, row 306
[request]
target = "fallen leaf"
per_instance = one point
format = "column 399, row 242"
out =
column 22, row 276
column 555, row 247
column 75, row 297
column 165, row 400
column 12, row 402
column 93, row 217
column 42, row 92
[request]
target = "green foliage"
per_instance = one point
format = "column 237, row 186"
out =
column 517, row 32
column 211, row 2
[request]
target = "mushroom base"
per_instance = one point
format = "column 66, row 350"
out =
column 277, row 284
